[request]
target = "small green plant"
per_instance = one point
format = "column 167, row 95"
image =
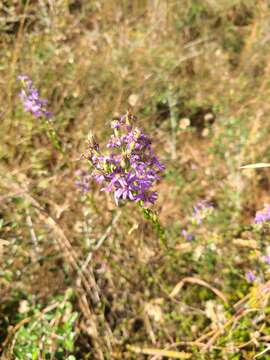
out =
column 47, row 333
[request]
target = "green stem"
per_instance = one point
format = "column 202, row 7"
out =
column 52, row 135
column 152, row 217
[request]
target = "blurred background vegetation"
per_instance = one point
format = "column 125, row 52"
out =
column 83, row 279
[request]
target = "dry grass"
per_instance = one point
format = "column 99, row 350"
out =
column 205, row 61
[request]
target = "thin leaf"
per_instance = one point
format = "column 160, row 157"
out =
column 255, row 166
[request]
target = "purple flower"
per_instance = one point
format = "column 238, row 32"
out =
column 201, row 211
column 263, row 215
column 250, row 276
column 31, row 100
column 130, row 168
column 187, row 235
column 267, row 259
column 83, row 181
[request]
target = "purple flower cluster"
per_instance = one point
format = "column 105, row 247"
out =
column 187, row 235
column 201, row 211
column 129, row 168
column 31, row 99
column 263, row 215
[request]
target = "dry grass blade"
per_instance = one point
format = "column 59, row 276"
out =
column 263, row 352
column 161, row 353
column 197, row 281
column 255, row 166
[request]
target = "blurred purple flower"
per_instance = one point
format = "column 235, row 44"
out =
column 188, row 236
column 31, row 100
column 201, row 211
column 83, row 181
column 267, row 259
column 131, row 168
column 250, row 276
column 263, row 215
